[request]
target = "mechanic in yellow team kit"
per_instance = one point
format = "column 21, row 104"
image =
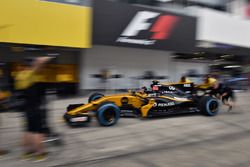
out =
column 208, row 82
column 25, row 81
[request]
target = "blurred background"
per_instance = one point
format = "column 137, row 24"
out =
column 125, row 44
column 116, row 45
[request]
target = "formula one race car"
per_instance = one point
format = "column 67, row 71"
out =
column 108, row 109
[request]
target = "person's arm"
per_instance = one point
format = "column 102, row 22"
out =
column 224, row 94
column 216, row 94
column 39, row 62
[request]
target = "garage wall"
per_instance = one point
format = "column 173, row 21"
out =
column 129, row 62
column 221, row 27
column 183, row 67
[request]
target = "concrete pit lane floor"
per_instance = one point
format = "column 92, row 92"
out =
column 180, row 141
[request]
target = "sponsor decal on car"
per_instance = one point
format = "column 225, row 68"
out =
column 126, row 111
column 164, row 104
column 169, row 91
column 171, row 88
column 79, row 119
column 187, row 85
column 180, row 98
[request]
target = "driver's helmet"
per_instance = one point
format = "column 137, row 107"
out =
column 155, row 82
column 155, row 85
column 155, row 88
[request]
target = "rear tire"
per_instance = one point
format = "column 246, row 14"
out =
column 209, row 106
column 95, row 96
column 108, row 114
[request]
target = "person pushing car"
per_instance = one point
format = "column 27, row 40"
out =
column 224, row 93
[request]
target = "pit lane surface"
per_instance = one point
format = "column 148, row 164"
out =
column 187, row 140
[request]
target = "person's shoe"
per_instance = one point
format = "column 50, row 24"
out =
column 230, row 108
column 40, row 157
column 27, row 155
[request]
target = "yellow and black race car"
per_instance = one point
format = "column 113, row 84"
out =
column 108, row 109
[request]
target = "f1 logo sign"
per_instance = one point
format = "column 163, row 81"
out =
column 161, row 28
column 139, row 23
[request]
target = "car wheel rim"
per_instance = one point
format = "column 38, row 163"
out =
column 109, row 115
column 213, row 106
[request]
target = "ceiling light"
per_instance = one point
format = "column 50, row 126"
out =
column 224, row 56
column 164, row 0
column 31, row 49
column 53, row 54
column 219, row 60
column 232, row 66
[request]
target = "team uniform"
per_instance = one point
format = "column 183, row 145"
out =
column 209, row 82
column 222, row 89
column 32, row 92
column 184, row 81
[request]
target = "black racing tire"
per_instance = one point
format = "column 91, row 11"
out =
column 108, row 114
column 209, row 106
column 95, row 96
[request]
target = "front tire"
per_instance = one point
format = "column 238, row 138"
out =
column 209, row 106
column 108, row 114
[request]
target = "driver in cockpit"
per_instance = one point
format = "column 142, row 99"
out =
column 142, row 92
